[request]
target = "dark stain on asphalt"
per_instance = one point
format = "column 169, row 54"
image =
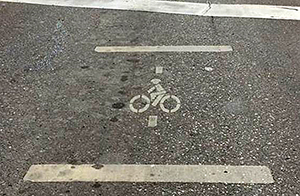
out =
column 114, row 119
column 13, row 80
column 97, row 166
column 122, row 92
column 133, row 60
column 84, row 67
column 118, row 105
column 124, row 78
column 96, row 185
column 72, row 160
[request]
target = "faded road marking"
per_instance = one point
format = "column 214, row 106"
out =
column 150, row 173
column 187, row 8
column 172, row 97
column 158, row 95
column 105, row 49
column 152, row 121
column 146, row 106
column 159, row 70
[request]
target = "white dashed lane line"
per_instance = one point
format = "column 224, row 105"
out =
column 107, row 49
column 150, row 173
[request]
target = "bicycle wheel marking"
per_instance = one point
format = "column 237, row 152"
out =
column 172, row 110
column 132, row 108
column 146, row 106
column 162, row 104
column 177, row 105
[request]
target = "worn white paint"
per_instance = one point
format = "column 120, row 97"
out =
column 187, row 8
column 149, row 173
column 108, row 49
column 168, row 97
column 158, row 70
column 158, row 95
column 152, row 122
column 132, row 108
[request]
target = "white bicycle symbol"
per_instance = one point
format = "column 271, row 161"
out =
column 158, row 97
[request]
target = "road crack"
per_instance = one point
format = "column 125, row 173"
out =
column 208, row 8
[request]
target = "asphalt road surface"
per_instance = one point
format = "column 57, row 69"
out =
column 61, row 102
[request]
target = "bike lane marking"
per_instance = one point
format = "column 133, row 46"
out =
column 186, row 8
column 152, row 121
column 158, row 70
column 160, row 96
column 149, row 173
column 110, row 49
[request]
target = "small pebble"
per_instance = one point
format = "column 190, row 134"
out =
column 208, row 68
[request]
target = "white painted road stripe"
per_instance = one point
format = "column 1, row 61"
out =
column 152, row 121
column 159, row 70
column 163, row 49
column 149, row 173
column 174, row 7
